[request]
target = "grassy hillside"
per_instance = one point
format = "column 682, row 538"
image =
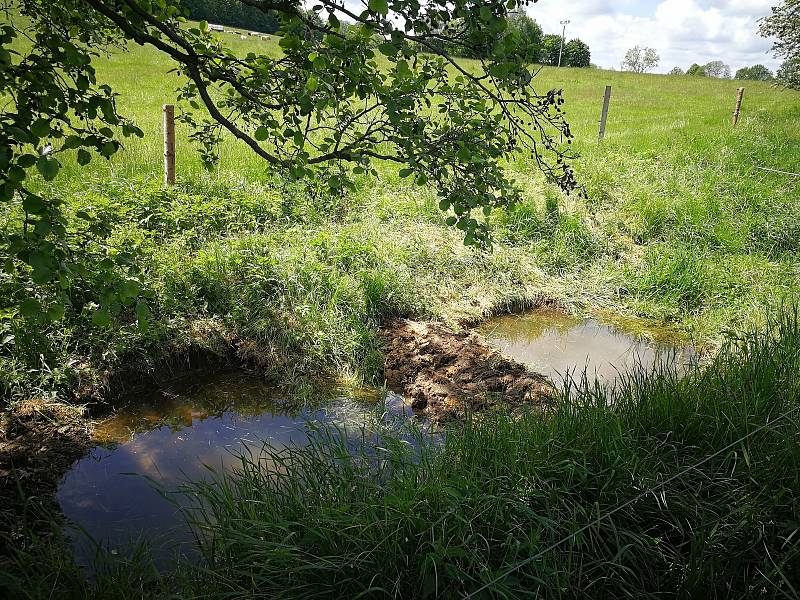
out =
column 678, row 226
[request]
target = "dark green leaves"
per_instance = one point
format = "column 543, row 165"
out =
column 41, row 128
column 388, row 49
column 101, row 317
column 379, row 6
column 33, row 204
column 30, row 308
column 48, row 167
column 83, row 157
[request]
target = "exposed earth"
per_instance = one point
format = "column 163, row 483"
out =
column 446, row 373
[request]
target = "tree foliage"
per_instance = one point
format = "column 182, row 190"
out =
column 576, row 54
column 788, row 73
column 528, row 33
column 718, row 69
column 696, row 70
column 640, row 59
column 755, row 73
column 233, row 14
column 784, row 25
column 551, row 45
column 676, row 71
column 55, row 105
column 328, row 107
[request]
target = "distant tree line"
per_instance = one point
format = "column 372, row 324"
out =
column 715, row 68
column 232, row 13
column 522, row 33
column 718, row 69
column 755, row 73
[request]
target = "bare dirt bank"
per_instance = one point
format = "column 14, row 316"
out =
column 446, row 373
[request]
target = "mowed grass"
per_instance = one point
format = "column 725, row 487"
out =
column 678, row 226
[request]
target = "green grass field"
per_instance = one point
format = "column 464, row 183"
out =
column 678, row 226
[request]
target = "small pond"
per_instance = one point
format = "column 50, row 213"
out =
column 556, row 344
column 181, row 432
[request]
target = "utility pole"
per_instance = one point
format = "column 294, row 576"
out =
column 563, row 35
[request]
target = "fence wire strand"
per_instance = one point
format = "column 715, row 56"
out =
column 627, row 503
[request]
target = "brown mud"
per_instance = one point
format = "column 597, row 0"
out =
column 39, row 442
column 447, row 373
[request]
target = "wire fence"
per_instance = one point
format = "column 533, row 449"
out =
column 624, row 505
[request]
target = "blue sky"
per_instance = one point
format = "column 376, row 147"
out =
column 681, row 31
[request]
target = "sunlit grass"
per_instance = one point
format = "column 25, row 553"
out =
column 391, row 513
column 678, row 224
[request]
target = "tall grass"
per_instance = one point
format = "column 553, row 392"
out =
column 677, row 226
column 400, row 514
column 441, row 520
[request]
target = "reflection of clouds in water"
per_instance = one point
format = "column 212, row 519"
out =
column 559, row 345
column 187, row 444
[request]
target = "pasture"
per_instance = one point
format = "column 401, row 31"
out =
column 678, row 226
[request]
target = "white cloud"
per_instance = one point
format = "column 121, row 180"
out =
column 682, row 31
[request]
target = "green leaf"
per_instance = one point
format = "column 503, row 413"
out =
column 40, row 128
column 101, row 317
column 261, row 134
column 55, row 312
column 26, row 161
column 312, row 84
column 129, row 289
column 406, row 172
column 30, row 308
column 142, row 312
column 33, row 204
column 83, row 157
column 379, row 6
column 388, row 49
column 108, row 149
column 402, row 69
column 48, row 167
column 16, row 173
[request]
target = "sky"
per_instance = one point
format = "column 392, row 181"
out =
column 681, row 31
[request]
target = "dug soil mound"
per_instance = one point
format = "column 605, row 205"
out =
column 447, row 373
column 39, row 441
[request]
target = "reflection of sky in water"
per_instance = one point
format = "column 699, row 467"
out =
column 176, row 435
column 110, row 494
column 554, row 344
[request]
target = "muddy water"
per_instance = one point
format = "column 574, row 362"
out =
column 124, row 490
column 555, row 344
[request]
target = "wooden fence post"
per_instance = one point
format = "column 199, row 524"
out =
column 169, row 144
column 739, row 96
column 604, row 114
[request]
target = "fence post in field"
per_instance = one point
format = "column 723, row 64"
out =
column 739, row 96
column 169, row 144
column 604, row 114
